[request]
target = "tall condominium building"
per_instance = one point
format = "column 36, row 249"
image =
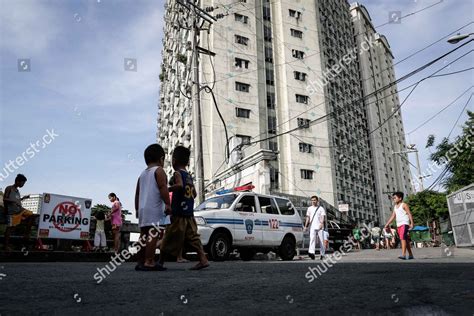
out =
column 294, row 85
column 391, row 171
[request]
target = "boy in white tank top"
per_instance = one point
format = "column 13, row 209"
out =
column 402, row 214
column 152, row 204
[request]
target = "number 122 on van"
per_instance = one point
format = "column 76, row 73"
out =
column 273, row 223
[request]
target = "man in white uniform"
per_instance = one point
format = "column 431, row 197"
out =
column 315, row 217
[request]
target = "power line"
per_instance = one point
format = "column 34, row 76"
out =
column 412, row 13
column 365, row 79
column 342, row 110
column 373, row 76
column 326, row 97
column 460, row 114
column 440, row 111
column 430, row 76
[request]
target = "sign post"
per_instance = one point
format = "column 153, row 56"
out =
column 343, row 208
column 64, row 217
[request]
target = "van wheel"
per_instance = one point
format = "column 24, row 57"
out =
column 219, row 248
column 246, row 254
column 287, row 248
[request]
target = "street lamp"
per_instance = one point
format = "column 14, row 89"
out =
column 458, row 37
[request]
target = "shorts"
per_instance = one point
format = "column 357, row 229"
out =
column 403, row 232
column 180, row 233
column 376, row 239
column 15, row 219
column 116, row 227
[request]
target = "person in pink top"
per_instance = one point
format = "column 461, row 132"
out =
column 116, row 219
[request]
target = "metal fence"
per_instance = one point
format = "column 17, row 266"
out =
column 461, row 206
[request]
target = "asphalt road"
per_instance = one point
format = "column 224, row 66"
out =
column 239, row 288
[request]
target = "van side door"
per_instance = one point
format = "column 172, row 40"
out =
column 270, row 217
column 248, row 231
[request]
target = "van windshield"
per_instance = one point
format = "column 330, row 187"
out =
column 218, row 202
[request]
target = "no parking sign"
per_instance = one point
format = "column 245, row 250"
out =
column 64, row 217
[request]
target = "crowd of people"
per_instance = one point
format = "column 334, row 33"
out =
column 378, row 238
column 165, row 212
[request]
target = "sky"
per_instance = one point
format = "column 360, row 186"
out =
column 63, row 71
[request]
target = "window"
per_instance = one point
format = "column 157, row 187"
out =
column 306, row 148
column 270, row 100
column 266, row 13
column 296, row 33
column 274, row 178
column 242, row 87
column 267, row 33
column 301, row 76
column 247, row 204
column 272, row 124
column 241, row 40
column 239, row 112
column 306, row 174
column 245, row 139
column 304, row 123
column 285, row 206
column 268, row 54
column 297, row 53
column 241, row 63
column 219, row 202
column 294, row 14
column 272, row 145
column 267, row 205
column 241, row 18
column 302, row 98
column 269, row 76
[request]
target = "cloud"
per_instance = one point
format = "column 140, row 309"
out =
column 28, row 28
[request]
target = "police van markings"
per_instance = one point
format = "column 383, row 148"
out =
column 241, row 222
column 290, row 224
column 224, row 221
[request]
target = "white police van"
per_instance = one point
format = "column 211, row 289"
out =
column 249, row 222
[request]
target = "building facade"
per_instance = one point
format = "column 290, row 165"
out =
column 33, row 203
column 295, row 97
column 391, row 171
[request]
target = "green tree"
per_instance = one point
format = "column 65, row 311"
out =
column 457, row 156
column 104, row 208
column 99, row 208
column 427, row 206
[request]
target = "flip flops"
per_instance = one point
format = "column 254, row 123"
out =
column 200, row 266
column 157, row 267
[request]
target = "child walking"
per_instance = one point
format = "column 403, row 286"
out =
column 402, row 214
column 151, row 203
column 182, row 231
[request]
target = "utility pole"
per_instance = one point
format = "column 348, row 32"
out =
column 413, row 149
column 197, row 13
column 420, row 177
column 197, row 127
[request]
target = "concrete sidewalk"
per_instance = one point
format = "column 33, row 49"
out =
column 428, row 255
column 431, row 255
